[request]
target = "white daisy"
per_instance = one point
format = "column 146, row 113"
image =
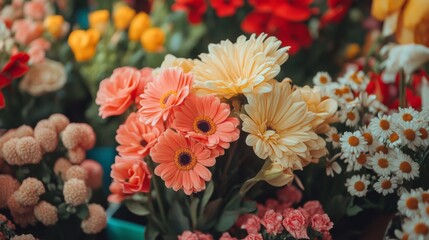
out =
column 357, row 185
column 340, row 92
column 353, row 143
column 405, row 115
column 369, row 137
column 410, row 134
column 404, row 167
column 322, row 79
column 382, row 163
column 408, row 203
column 362, row 160
column 355, row 79
column 381, row 126
column 350, row 116
column 394, row 140
column 401, row 235
column 418, row 228
column 424, row 209
column 332, row 167
column 424, row 130
column 425, row 196
column 333, row 137
column 381, row 148
column 386, row 185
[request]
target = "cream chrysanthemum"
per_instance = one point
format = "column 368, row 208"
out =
column 279, row 125
column 229, row 69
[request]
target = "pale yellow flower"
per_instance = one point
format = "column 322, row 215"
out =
column 229, row 69
column 184, row 63
column 279, row 127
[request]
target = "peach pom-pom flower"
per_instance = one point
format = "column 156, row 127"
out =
column 135, row 138
column 182, row 162
column 166, row 91
column 132, row 173
column 207, row 120
column 119, row 91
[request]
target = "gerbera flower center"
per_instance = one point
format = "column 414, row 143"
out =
column 164, row 98
column 359, row 186
column 410, row 134
column 185, row 159
column 424, row 133
column 143, row 143
column 362, row 159
column 368, row 138
column 353, row 141
column 393, row 137
column 382, row 149
column 386, row 184
column 384, row 124
column 383, row 163
column 204, row 125
column 323, row 79
column 425, row 197
column 407, row 117
column 412, row 203
column 351, row 116
column 405, row 167
column 421, row 228
column 335, row 137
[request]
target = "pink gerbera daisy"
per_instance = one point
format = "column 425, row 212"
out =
column 182, row 162
column 207, row 120
column 136, row 138
column 169, row 89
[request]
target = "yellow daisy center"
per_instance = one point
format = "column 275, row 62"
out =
column 351, row 116
column 427, row 210
column 384, row 124
column 407, row 117
column 424, row 133
column 353, row 141
column 410, row 134
column 204, row 125
column 335, row 137
column 362, row 159
column 185, row 159
column 405, row 167
column 359, row 186
column 386, row 184
column 412, row 203
column 368, row 138
column 382, row 149
column 425, row 197
column 323, row 79
column 383, row 163
column 355, row 78
column 324, row 98
column 165, row 96
column 405, row 236
column 393, row 137
column 421, row 228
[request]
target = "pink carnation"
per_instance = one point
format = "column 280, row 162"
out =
column 313, row 207
column 132, row 173
column 295, row 222
column 119, row 91
column 289, row 194
column 250, row 222
column 226, row 236
column 37, row 50
column 321, row 222
column 202, row 236
column 253, row 236
column 272, row 222
column 271, row 204
column 326, row 236
column 36, row 9
column 188, row 235
column 261, row 210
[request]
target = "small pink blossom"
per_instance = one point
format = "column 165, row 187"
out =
column 202, row 236
column 26, row 30
column 261, row 210
column 313, row 207
column 188, row 235
column 272, row 222
column 36, row 9
column 289, row 194
column 37, row 50
column 326, row 236
column 321, row 222
column 271, row 204
column 295, row 222
column 251, row 223
column 253, row 236
column 226, row 236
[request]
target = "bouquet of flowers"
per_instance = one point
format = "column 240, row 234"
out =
column 46, row 182
column 201, row 133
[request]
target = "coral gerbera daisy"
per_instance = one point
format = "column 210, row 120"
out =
column 207, row 120
column 245, row 67
column 182, row 162
column 136, row 138
column 279, row 125
column 168, row 89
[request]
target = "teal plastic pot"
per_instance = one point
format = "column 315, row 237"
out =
column 106, row 157
column 119, row 228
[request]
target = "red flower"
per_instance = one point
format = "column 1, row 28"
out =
column 282, row 19
column 337, row 9
column 194, row 8
column 15, row 68
column 225, row 8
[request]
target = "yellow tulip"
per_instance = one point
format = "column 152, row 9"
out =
column 352, row 50
column 54, row 25
column 122, row 17
column 139, row 24
column 153, row 39
column 83, row 43
column 99, row 20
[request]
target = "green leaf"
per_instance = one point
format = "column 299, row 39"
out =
column 248, row 206
column 352, row 210
column 177, row 219
column 137, row 208
column 226, row 220
column 206, row 196
column 194, row 211
column 151, row 232
column 62, row 211
column 210, row 213
column 82, row 211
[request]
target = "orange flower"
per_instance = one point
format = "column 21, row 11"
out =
column 54, row 25
column 408, row 19
column 153, row 39
column 122, row 16
column 132, row 173
column 99, row 20
column 182, row 162
column 138, row 25
column 83, row 43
